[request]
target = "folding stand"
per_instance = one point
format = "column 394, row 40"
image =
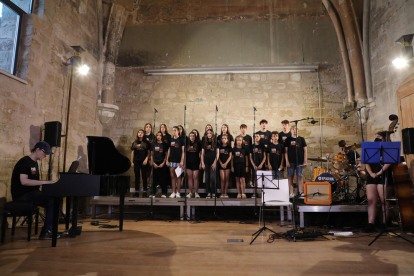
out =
column 383, row 153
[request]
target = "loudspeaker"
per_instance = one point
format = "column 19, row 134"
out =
column 408, row 140
column 318, row 193
column 53, row 133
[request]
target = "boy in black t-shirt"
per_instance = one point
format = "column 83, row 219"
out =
column 283, row 135
column 257, row 159
column 25, row 185
column 295, row 146
column 276, row 156
column 350, row 154
column 239, row 165
column 265, row 135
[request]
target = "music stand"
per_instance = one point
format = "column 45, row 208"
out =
column 382, row 153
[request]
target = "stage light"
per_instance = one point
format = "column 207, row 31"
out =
column 84, row 69
column 400, row 63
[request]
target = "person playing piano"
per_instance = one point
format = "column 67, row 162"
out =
column 25, row 183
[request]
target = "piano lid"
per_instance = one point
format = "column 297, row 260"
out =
column 104, row 158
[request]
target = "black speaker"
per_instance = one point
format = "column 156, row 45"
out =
column 408, row 140
column 53, row 133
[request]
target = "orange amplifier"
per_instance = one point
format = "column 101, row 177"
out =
column 318, row 193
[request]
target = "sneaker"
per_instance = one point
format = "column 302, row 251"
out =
column 136, row 195
column 144, row 194
column 189, row 195
column 222, row 196
column 172, row 195
column 197, row 195
column 163, row 196
column 177, row 195
column 251, row 184
column 292, row 195
column 253, row 196
column 243, row 196
column 213, row 195
column 370, row 228
column 238, row 195
column 153, row 196
column 302, row 196
column 226, row 196
column 46, row 235
column 208, row 195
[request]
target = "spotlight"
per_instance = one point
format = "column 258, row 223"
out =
column 400, row 63
column 84, row 69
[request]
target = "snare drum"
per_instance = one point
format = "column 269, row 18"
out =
column 340, row 162
column 318, row 171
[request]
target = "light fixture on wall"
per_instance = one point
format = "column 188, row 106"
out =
column 231, row 70
column 76, row 61
column 407, row 51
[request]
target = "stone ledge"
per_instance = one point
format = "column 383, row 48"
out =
column 13, row 77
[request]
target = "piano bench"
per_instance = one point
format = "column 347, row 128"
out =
column 20, row 209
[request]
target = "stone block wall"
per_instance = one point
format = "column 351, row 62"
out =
column 277, row 96
column 389, row 20
column 25, row 107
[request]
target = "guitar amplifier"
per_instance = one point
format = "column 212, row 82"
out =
column 318, row 193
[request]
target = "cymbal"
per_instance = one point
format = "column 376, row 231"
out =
column 358, row 146
column 318, row 159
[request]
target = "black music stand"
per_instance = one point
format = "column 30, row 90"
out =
column 383, row 153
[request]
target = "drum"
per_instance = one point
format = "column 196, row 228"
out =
column 332, row 179
column 338, row 176
column 318, row 171
column 340, row 162
column 363, row 176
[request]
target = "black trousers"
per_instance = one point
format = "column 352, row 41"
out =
column 160, row 178
column 138, row 169
column 210, row 177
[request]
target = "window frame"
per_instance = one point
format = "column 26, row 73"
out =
column 21, row 13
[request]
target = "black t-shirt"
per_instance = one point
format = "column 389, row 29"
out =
column 275, row 155
column 229, row 139
column 209, row 153
column 239, row 155
column 295, row 143
column 283, row 136
column 265, row 137
column 176, row 150
column 149, row 138
column 247, row 142
column 24, row 166
column 140, row 151
column 159, row 152
column 166, row 139
column 224, row 153
column 193, row 153
column 351, row 156
column 257, row 153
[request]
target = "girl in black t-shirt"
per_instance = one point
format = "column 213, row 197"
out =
column 257, row 159
column 166, row 137
column 140, row 154
column 149, row 137
column 225, row 130
column 239, row 165
column 175, row 158
column 224, row 155
column 208, row 162
column 193, row 164
column 159, row 154
column 208, row 126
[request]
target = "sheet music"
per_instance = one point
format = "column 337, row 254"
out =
column 178, row 171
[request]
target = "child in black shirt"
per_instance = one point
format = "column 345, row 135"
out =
column 276, row 156
column 159, row 154
column 247, row 143
column 265, row 135
column 295, row 146
column 208, row 162
column 225, row 130
column 193, row 164
column 239, row 165
column 175, row 159
column 140, row 153
column 224, row 157
column 257, row 159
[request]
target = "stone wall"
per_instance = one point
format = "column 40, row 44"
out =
column 389, row 20
column 26, row 107
column 276, row 96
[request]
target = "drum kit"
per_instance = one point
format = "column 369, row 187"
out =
column 340, row 174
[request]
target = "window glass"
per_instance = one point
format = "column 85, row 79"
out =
column 9, row 30
column 25, row 5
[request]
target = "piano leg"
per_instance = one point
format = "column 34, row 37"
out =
column 56, row 205
column 67, row 216
column 121, row 206
column 74, row 229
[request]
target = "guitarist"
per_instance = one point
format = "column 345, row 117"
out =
column 375, row 186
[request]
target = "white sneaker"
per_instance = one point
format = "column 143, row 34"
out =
column 301, row 196
column 213, row 195
column 197, row 195
column 163, row 196
column 177, row 195
column 251, row 184
column 172, row 195
column 208, row 195
column 153, row 196
column 253, row 196
column 189, row 195
column 292, row 195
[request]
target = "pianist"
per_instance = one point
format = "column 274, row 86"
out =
column 25, row 184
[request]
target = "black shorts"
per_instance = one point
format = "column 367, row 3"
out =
column 240, row 170
column 228, row 167
column 193, row 166
column 374, row 181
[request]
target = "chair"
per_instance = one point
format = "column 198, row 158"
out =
column 20, row 209
column 278, row 197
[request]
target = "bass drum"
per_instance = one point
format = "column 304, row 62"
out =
column 327, row 177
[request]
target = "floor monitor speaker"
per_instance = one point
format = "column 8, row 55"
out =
column 318, row 193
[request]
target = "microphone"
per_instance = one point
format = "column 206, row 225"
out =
column 313, row 122
column 156, row 111
column 345, row 116
column 216, row 108
column 254, row 108
column 185, row 107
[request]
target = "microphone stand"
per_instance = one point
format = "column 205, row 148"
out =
column 254, row 155
column 345, row 116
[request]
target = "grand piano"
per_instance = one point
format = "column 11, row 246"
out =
column 106, row 164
